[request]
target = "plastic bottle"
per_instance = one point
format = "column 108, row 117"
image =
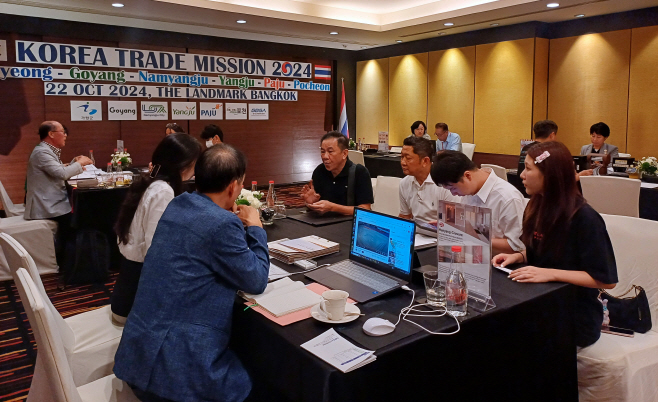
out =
column 109, row 167
column 271, row 196
column 91, row 156
column 254, row 186
column 456, row 291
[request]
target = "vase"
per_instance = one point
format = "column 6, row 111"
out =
column 649, row 178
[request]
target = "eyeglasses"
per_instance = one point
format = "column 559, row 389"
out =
column 58, row 131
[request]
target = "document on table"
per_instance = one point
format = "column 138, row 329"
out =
column 276, row 273
column 89, row 173
column 648, row 185
column 422, row 241
column 339, row 352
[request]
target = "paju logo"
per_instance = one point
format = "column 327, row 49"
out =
column 86, row 109
column 153, row 109
column 188, row 111
column 212, row 111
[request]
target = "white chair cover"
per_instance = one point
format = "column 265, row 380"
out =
column 612, row 195
column 618, row 368
column 51, row 358
column 11, row 209
column 37, row 236
column 387, row 195
column 498, row 170
column 468, row 149
column 356, row 157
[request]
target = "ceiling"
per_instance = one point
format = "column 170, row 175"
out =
column 359, row 24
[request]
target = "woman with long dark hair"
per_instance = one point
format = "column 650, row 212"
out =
column 173, row 162
column 565, row 238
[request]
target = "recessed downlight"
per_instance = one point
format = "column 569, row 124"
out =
column 449, row 24
column 364, row 47
column 442, row 33
column 553, row 5
column 241, row 21
column 117, row 5
column 333, row 33
column 495, row 24
column 398, row 41
column 579, row 15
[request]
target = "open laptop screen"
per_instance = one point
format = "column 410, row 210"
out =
column 383, row 242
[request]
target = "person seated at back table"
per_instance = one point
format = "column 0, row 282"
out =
column 445, row 140
column 212, row 135
column 171, row 128
column 173, row 163
column 419, row 129
column 175, row 342
column 482, row 188
column 329, row 188
column 566, row 239
column 419, row 196
column 598, row 133
column 544, row 130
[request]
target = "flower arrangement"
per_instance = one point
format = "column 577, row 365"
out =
column 648, row 165
column 250, row 198
column 124, row 157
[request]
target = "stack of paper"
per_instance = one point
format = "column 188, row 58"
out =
column 90, row 172
column 285, row 296
column 337, row 351
column 304, row 248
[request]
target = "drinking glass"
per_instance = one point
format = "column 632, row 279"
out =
column 279, row 210
column 108, row 178
column 435, row 290
column 267, row 215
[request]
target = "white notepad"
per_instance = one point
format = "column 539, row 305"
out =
column 285, row 296
column 339, row 352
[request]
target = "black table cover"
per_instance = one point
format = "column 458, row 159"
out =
column 383, row 165
column 521, row 350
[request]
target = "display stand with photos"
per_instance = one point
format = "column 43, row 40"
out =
column 382, row 144
column 469, row 227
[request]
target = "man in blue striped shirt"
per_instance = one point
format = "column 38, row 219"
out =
column 445, row 139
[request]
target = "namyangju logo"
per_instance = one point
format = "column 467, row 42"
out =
column 153, row 109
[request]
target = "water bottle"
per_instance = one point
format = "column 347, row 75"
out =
column 91, row 156
column 119, row 167
column 267, row 210
column 254, row 186
column 109, row 167
column 271, row 197
column 456, row 291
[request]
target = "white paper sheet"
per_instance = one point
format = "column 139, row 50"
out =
column 276, row 272
column 301, row 245
column 89, row 173
column 338, row 351
column 648, row 185
column 422, row 241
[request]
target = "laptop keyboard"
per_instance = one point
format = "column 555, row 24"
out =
column 364, row 276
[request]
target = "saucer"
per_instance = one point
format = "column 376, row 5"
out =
column 349, row 308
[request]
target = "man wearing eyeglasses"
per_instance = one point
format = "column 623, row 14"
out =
column 46, row 175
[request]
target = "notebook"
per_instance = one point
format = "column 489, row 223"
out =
column 285, row 296
column 304, row 248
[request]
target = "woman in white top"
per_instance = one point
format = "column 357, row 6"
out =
column 172, row 163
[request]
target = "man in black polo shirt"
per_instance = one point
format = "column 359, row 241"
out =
column 330, row 189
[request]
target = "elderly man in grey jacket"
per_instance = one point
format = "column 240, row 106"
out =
column 46, row 174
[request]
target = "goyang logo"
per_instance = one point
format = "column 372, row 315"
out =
column 121, row 110
column 183, row 110
column 86, row 111
column 155, row 111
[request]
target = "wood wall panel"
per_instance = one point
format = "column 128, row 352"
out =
column 588, row 83
column 503, row 95
column 540, row 90
column 407, row 94
column 643, row 93
column 372, row 99
column 451, row 89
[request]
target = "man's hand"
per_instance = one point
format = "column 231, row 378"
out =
column 249, row 215
column 532, row 274
column 321, row 207
column 83, row 160
column 309, row 195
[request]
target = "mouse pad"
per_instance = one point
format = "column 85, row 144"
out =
column 354, row 331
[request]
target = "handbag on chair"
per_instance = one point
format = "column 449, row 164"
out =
column 630, row 312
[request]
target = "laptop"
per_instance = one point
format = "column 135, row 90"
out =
column 380, row 260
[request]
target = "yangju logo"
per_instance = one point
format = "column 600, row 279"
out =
column 188, row 111
column 86, row 109
column 153, row 109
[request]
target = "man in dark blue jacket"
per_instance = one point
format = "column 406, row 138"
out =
column 175, row 342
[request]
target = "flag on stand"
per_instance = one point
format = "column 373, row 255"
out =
column 342, row 122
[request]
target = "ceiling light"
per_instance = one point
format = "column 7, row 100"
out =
column 118, row 5
column 398, row 41
column 333, row 33
column 579, row 15
column 241, row 21
column 442, row 33
column 449, row 24
column 495, row 24
column 552, row 5
column 364, row 47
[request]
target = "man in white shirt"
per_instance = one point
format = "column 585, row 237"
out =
column 419, row 196
column 482, row 188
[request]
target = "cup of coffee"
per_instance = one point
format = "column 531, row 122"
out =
column 333, row 304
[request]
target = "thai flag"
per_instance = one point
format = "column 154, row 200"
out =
column 342, row 122
column 323, row 72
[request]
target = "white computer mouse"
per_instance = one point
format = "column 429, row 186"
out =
column 378, row 326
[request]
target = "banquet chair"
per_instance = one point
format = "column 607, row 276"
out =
column 387, row 195
column 11, row 209
column 90, row 339
column 498, row 170
column 356, row 157
column 57, row 378
column 37, row 236
column 468, row 149
column 618, row 368
column 612, row 195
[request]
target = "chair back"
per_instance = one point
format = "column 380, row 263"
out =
column 498, row 170
column 633, row 240
column 356, row 157
column 612, row 195
column 468, row 149
column 18, row 258
column 387, row 195
column 10, row 209
column 51, row 354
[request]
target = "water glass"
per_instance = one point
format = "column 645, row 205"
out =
column 435, row 290
column 267, row 215
column 108, row 179
column 279, row 210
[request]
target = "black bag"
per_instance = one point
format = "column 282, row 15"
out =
column 88, row 258
column 630, row 312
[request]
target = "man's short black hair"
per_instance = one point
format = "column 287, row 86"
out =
column 45, row 128
column 600, row 128
column 210, row 131
column 422, row 147
column 343, row 142
column 218, row 167
column 416, row 124
column 442, row 126
column 544, row 128
column 449, row 167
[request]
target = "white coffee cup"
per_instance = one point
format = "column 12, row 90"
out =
column 333, row 304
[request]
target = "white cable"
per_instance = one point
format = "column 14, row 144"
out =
column 405, row 312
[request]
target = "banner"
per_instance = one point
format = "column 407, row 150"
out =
column 236, row 111
column 3, row 50
column 121, row 110
column 155, row 111
column 86, row 111
column 183, row 110
column 211, row 111
column 259, row 111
